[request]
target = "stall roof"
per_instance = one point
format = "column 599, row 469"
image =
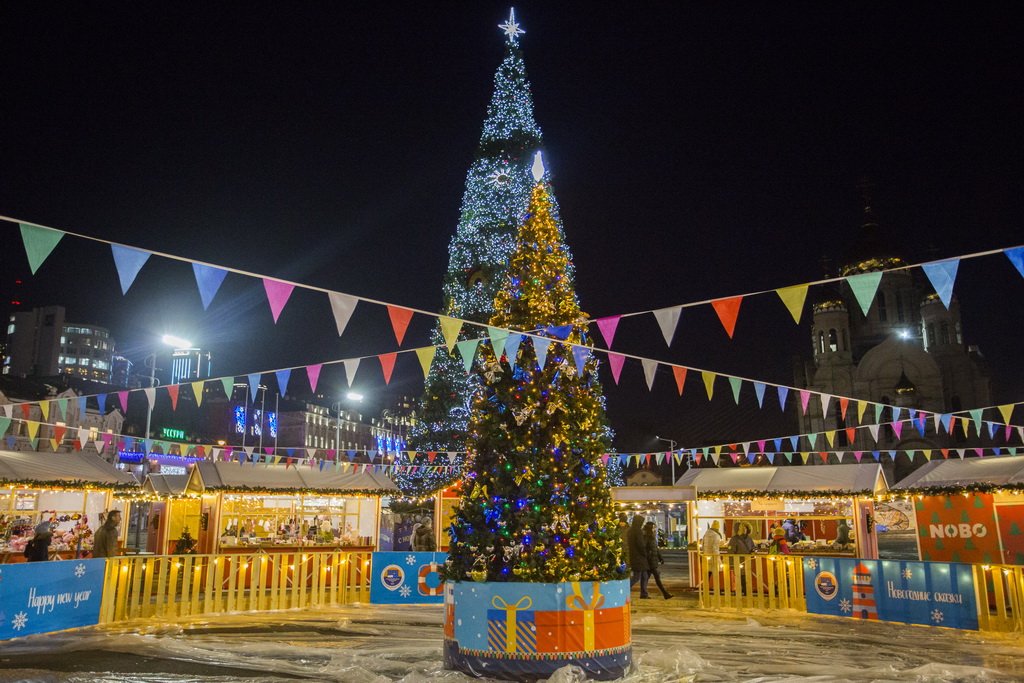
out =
column 231, row 476
column 959, row 473
column 49, row 468
column 166, row 484
column 825, row 478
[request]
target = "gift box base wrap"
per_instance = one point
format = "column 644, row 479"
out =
column 527, row 631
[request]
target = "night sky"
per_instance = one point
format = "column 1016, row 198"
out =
column 697, row 153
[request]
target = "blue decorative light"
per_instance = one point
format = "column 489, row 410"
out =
column 239, row 420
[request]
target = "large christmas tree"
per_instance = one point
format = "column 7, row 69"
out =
column 536, row 507
column 497, row 193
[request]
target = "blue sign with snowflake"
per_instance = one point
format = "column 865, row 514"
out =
column 42, row 597
column 410, row 578
column 924, row 593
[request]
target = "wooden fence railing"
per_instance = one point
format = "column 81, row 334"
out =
column 182, row 585
column 777, row 582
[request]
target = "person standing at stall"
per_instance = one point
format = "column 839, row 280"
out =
column 104, row 542
column 741, row 543
column 711, row 545
column 38, row 548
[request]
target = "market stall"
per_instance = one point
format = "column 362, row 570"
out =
column 968, row 510
column 69, row 490
column 282, row 509
column 817, row 507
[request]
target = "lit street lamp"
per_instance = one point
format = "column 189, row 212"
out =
column 671, row 456
column 336, row 407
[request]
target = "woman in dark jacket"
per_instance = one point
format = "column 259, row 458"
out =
column 654, row 557
column 38, row 548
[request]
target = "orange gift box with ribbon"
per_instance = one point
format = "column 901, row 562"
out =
column 585, row 625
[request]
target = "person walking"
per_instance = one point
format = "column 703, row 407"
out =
column 638, row 555
column 38, row 547
column 654, row 557
column 104, row 542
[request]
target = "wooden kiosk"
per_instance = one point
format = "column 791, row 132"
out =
column 284, row 509
column 968, row 510
column 811, row 498
column 70, row 490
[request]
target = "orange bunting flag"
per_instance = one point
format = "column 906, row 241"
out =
column 728, row 310
column 844, row 403
column 387, row 364
column 400, row 318
column 172, row 391
column 793, row 298
column 680, row 374
column 851, row 433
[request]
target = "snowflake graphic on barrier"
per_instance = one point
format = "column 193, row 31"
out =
column 845, row 606
column 812, row 563
column 410, row 560
column 80, row 570
column 937, row 616
column 405, row 591
column 20, row 619
column 906, row 573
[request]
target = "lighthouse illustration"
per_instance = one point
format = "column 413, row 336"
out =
column 863, row 594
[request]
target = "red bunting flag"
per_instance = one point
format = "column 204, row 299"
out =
column 844, row 403
column 58, row 433
column 172, row 391
column 400, row 318
column 728, row 310
column 387, row 364
column 680, row 374
column 851, row 433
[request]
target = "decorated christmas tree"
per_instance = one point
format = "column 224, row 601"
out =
column 497, row 193
column 536, row 506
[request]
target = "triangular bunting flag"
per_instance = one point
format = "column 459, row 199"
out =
column 277, row 295
column 942, row 275
column 400, row 318
column 313, row 374
column 793, row 298
column 1007, row 410
column 172, row 391
column 650, row 369
column 861, row 407
column 1016, row 257
column 759, row 392
column 667, row 319
column 351, row 366
column 581, row 354
column 561, row 332
column 844, row 403
column 615, row 361
column 425, row 354
column 209, row 280
column 282, row 380
column 342, row 306
column 736, row 383
column 39, row 242
column 122, row 397
column 467, row 349
column 607, row 327
column 450, row 331
column 254, row 385
column 864, row 287
column 540, row 346
column 783, row 393
column 512, row 347
column 498, row 337
column 709, row 382
column 873, row 429
column 727, row 310
column 128, row 262
column 387, row 365
column 826, row 400
column 101, row 401
column 805, row 397
column 680, row 375
column 228, row 383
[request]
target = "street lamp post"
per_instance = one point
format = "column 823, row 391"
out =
column 671, row 457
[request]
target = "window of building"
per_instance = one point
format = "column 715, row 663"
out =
column 899, row 306
column 83, row 361
column 846, row 340
column 821, row 342
column 10, row 329
column 959, row 336
column 944, row 332
column 929, row 335
column 833, row 340
column 882, row 315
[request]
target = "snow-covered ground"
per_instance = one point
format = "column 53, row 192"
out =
column 379, row 644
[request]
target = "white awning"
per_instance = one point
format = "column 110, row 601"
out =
column 946, row 473
column 232, row 476
column 850, row 479
column 31, row 466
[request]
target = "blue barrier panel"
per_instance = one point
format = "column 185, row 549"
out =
column 42, row 597
column 924, row 593
column 407, row 578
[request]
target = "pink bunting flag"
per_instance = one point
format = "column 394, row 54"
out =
column 805, row 397
column 277, row 295
column 897, row 427
column 728, row 310
column 387, row 364
column 123, row 397
column 313, row 372
column 172, row 391
column 680, row 374
column 607, row 327
column 400, row 318
column 615, row 361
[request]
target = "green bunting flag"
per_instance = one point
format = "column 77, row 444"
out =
column 39, row 242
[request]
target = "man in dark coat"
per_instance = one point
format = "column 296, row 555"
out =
column 104, row 542
column 638, row 555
